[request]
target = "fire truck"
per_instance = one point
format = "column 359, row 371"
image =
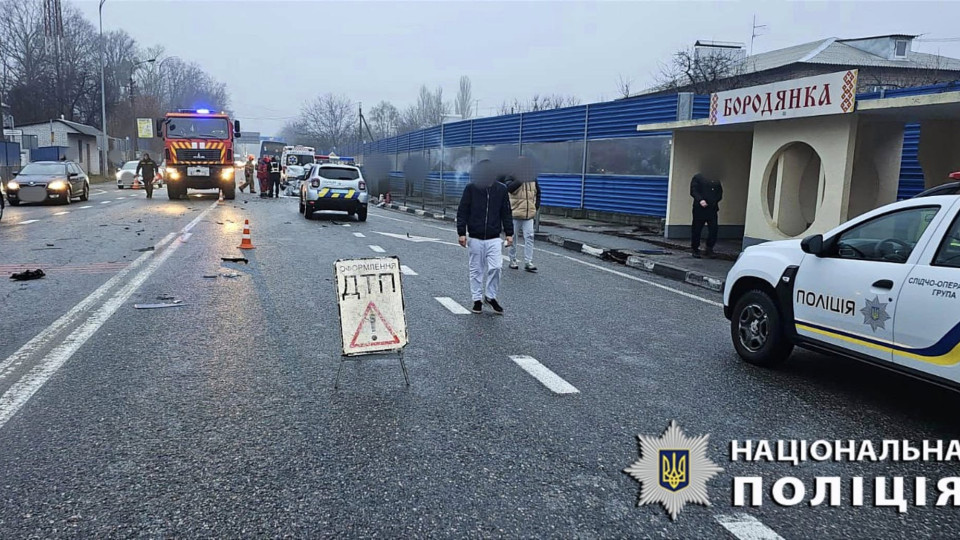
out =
column 198, row 151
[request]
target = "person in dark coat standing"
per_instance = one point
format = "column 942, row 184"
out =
column 707, row 195
column 274, row 189
column 147, row 170
column 263, row 176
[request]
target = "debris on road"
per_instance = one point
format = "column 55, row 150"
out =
column 27, row 275
column 142, row 250
column 210, row 276
column 166, row 297
column 49, row 245
column 175, row 303
column 231, row 274
column 235, row 259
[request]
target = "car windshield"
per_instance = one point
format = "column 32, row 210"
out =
column 198, row 128
column 45, row 169
column 130, row 166
column 339, row 173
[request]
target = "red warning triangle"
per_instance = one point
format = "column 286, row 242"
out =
column 378, row 330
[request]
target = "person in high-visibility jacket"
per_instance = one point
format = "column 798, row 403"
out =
column 249, row 168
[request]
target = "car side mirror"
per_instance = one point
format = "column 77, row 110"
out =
column 16, row 173
column 72, row 175
column 236, row 128
column 813, row 245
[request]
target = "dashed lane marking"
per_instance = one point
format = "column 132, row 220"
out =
column 345, row 224
column 542, row 373
column 87, row 206
column 746, row 527
column 119, row 199
column 105, row 202
column 27, row 222
column 377, row 249
column 359, row 235
column 452, row 305
column 62, row 213
column 21, row 391
column 407, row 271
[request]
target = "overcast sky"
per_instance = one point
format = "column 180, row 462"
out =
column 273, row 55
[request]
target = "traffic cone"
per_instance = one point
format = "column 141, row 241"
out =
column 245, row 243
column 136, row 183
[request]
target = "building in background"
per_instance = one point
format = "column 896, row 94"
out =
column 79, row 141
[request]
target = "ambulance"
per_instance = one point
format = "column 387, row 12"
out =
column 883, row 288
column 294, row 161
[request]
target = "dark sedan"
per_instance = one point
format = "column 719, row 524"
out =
column 42, row 181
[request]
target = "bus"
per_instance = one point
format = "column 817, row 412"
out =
column 274, row 149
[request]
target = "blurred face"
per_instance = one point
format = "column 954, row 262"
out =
column 146, row 156
column 483, row 173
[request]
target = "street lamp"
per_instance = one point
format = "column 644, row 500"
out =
column 443, row 190
column 160, row 75
column 104, row 150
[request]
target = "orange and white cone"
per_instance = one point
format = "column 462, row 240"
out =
column 245, row 243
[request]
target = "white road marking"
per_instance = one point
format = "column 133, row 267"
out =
column 543, row 374
column 408, row 237
column 62, row 213
column 345, row 224
column 598, row 267
column 452, row 305
column 746, row 527
column 43, row 338
column 21, row 392
column 185, row 236
column 119, row 199
column 634, row 278
column 87, row 206
column 359, row 235
column 27, row 222
column 377, row 249
column 407, row 271
column 105, row 202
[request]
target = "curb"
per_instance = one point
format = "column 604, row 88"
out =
column 622, row 256
column 634, row 260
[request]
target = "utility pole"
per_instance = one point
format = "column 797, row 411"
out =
column 105, row 149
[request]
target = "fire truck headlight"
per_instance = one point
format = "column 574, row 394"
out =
column 172, row 174
column 227, row 173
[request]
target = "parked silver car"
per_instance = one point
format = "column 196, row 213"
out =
column 334, row 187
column 127, row 173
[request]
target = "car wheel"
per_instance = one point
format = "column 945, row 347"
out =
column 362, row 213
column 119, row 186
column 69, row 197
column 174, row 192
column 302, row 206
column 15, row 203
column 230, row 192
column 307, row 213
column 757, row 330
column 85, row 196
column 1, row 207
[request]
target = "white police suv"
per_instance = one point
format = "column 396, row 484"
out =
column 883, row 287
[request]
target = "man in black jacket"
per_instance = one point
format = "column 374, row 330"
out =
column 484, row 213
column 706, row 195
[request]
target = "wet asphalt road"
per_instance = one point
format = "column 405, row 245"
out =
column 219, row 417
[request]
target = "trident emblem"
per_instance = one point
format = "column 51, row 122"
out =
column 673, row 469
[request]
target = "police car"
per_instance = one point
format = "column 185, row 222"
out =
column 883, row 288
column 331, row 186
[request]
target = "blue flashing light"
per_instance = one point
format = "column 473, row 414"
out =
column 203, row 111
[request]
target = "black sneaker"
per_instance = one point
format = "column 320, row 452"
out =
column 696, row 254
column 477, row 307
column 497, row 309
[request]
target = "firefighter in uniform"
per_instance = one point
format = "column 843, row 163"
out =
column 248, row 170
column 147, row 171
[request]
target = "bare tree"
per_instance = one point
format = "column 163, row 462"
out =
column 702, row 71
column 623, row 86
column 463, row 105
column 538, row 103
column 330, row 121
column 384, row 120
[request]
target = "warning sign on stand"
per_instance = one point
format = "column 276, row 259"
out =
column 370, row 298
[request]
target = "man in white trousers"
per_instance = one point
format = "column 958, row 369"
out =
column 525, row 202
column 483, row 215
